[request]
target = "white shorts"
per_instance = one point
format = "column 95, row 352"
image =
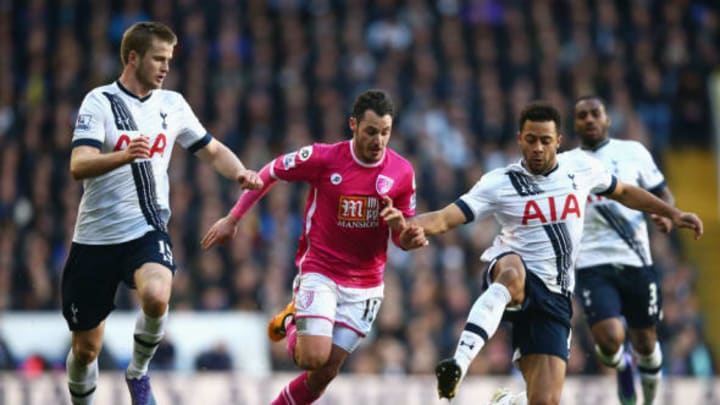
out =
column 323, row 308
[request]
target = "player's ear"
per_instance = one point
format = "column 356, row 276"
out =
column 133, row 57
column 352, row 122
column 560, row 139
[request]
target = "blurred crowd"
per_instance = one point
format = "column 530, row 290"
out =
column 267, row 77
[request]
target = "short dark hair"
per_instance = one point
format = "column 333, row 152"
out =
column 539, row 111
column 139, row 37
column 375, row 100
column 589, row 97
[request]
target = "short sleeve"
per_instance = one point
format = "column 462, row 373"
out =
column 90, row 123
column 192, row 135
column 602, row 182
column 480, row 201
column 301, row 165
column 650, row 176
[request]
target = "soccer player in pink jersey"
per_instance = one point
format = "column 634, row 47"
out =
column 354, row 186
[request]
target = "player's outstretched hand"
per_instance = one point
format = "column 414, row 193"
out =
column 690, row 221
column 413, row 237
column 249, row 180
column 392, row 216
column 663, row 224
column 221, row 231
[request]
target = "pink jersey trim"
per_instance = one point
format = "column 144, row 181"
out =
column 345, row 325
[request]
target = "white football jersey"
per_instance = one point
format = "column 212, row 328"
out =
column 614, row 233
column 541, row 216
column 129, row 201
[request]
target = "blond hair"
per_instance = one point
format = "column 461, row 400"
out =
column 139, row 38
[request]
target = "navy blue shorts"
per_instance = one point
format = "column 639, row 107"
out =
column 611, row 291
column 92, row 274
column 541, row 325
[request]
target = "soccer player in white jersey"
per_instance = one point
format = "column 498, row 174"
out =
column 539, row 203
column 121, row 149
column 614, row 270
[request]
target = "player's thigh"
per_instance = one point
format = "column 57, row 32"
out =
column 598, row 293
column 356, row 312
column 315, row 308
column 89, row 282
column 544, row 377
column 642, row 297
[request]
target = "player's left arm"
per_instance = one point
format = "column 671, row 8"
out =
column 642, row 200
column 663, row 224
column 229, row 165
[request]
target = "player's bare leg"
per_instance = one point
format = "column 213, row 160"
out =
column 544, row 377
column 649, row 361
column 609, row 336
column 82, row 365
column 153, row 282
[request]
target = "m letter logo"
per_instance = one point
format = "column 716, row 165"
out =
column 352, row 208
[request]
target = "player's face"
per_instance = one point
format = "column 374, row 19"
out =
column 591, row 122
column 371, row 135
column 539, row 141
column 153, row 67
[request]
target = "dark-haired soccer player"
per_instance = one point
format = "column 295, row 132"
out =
column 614, row 270
column 342, row 251
column 121, row 147
column 540, row 204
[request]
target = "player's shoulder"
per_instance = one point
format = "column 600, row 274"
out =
column 399, row 159
column 170, row 98
column 98, row 92
column 627, row 146
column 497, row 177
column 578, row 160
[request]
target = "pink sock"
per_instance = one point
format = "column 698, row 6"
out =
column 296, row 393
column 291, row 335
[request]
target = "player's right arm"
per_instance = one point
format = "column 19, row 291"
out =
column 295, row 166
column 440, row 221
column 87, row 161
column 476, row 203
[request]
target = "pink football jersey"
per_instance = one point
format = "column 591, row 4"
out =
column 343, row 236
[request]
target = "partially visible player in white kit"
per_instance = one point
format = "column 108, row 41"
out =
column 615, row 273
column 539, row 203
column 121, row 147
column 343, row 249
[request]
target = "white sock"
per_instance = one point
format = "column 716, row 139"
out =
column 148, row 334
column 615, row 360
column 82, row 380
column 482, row 323
column 650, row 368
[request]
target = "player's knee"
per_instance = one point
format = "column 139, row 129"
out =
column 609, row 340
column 154, row 299
column 85, row 353
column 644, row 344
column 513, row 278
